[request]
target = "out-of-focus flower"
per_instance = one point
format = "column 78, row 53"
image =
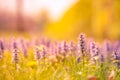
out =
column 42, row 41
column 48, row 43
column 64, row 48
column 116, row 58
column 37, row 54
column 78, row 60
column 94, row 51
column 40, row 52
column 23, row 47
column 43, row 52
column 72, row 47
column 1, row 49
column 102, row 58
column 15, row 46
column 15, row 58
column 58, row 48
column 108, row 46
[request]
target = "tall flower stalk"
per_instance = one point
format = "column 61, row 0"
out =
column 43, row 53
column 15, row 57
column 37, row 55
column 94, row 51
column 64, row 49
column 82, row 46
column 116, row 58
column 1, row 49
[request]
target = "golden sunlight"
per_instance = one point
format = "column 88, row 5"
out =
column 56, row 8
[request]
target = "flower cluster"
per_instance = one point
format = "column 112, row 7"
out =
column 43, row 48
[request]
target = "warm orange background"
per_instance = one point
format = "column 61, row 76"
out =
column 61, row 19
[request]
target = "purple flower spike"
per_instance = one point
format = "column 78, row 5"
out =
column 23, row 47
column 82, row 44
column 116, row 55
column 116, row 58
column 72, row 47
column 59, row 48
column 108, row 46
column 43, row 52
column 15, row 58
column 36, row 42
column 51, row 49
column 24, row 50
column 102, row 58
column 1, row 49
column 116, row 45
column 2, row 45
column 94, row 51
column 15, row 45
column 64, row 47
column 48, row 43
column 42, row 41
column 37, row 54
column 78, row 60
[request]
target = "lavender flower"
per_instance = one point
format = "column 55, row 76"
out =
column 108, row 49
column 15, row 58
column 2, row 46
column 94, row 51
column 59, row 48
column 37, row 54
column 64, row 48
column 116, row 45
column 51, row 49
column 48, row 43
column 82, row 47
column 1, row 54
column 102, row 58
column 1, row 49
column 116, row 58
column 42, row 41
column 78, row 60
column 23, row 48
column 43, row 52
column 108, row 46
column 72, row 47
column 36, row 42
column 15, row 46
column 82, row 44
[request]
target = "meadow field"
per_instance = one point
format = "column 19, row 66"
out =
column 43, row 59
column 59, row 39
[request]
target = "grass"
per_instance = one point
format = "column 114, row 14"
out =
column 67, row 69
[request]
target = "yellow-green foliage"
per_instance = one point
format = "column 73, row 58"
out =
column 29, row 69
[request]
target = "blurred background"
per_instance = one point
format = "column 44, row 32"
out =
column 61, row 19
